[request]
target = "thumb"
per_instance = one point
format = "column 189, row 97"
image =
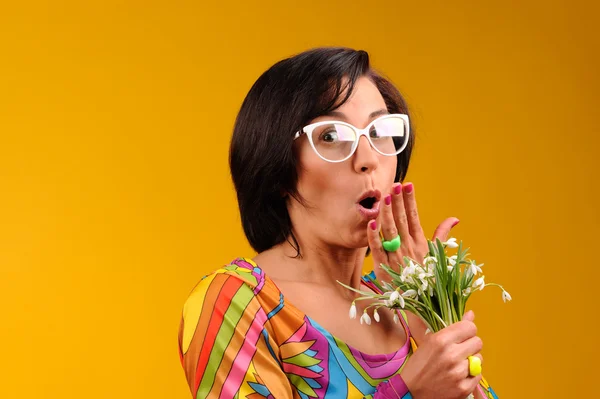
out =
column 470, row 316
column 443, row 230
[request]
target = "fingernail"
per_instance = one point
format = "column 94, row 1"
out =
column 373, row 224
column 398, row 189
column 388, row 200
column 408, row 188
column 455, row 223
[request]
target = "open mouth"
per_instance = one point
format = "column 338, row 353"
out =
column 370, row 199
column 368, row 202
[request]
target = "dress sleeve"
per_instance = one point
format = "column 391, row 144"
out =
column 225, row 346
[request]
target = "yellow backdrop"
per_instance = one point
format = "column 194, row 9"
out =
column 115, row 198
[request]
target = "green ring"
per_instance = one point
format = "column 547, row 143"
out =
column 392, row 245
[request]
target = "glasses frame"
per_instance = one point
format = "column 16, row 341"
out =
column 308, row 130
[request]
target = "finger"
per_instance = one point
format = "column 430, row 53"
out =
column 388, row 225
column 400, row 212
column 390, row 231
column 379, row 255
column 461, row 331
column 466, row 363
column 474, row 383
column 470, row 347
column 410, row 204
column 470, row 316
column 443, row 230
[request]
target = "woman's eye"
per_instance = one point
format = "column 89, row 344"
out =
column 329, row 136
column 373, row 133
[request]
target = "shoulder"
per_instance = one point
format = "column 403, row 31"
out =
column 238, row 289
column 225, row 296
column 238, row 277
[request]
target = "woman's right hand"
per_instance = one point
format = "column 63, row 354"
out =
column 439, row 367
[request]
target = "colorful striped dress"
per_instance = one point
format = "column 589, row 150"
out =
column 239, row 338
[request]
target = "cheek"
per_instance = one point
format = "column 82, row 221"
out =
column 314, row 180
column 318, row 181
column 389, row 164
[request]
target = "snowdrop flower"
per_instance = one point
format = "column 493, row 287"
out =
column 474, row 268
column 506, row 296
column 430, row 288
column 353, row 311
column 396, row 320
column 451, row 243
column 365, row 318
column 450, row 268
column 423, row 275
column 394, row 296
column 452, row 260
column 479, row 284
column 376, row 316
column 467, row 291
column 430, row 260
column 401, row 300
column 410, row 270
column 409, row 294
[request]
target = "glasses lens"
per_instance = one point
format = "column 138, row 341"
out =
column 333, row 141
column 389, row 134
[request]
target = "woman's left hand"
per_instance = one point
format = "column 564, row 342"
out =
column 398, row 215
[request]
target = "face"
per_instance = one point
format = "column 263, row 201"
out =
column 336, row 212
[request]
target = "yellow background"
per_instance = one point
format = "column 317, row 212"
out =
column 115, row 198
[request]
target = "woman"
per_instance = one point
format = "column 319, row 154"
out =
column 314, row 195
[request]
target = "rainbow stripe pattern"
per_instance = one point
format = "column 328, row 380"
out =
column 239, row 338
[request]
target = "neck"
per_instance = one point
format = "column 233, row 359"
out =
column 318, row 264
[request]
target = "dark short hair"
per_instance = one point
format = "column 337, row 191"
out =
column 284, row 99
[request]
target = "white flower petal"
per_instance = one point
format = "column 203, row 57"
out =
column 451, row 243
column 376, row 316
column 479, row 284
column 409, row 293
column 506, row 296
column 365, row 318
column 396, row 320
column 394, row 297
column 401, row 300
column 353, row 311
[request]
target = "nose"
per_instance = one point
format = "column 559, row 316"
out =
column 365, row 158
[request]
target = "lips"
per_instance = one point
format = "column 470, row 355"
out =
column 368, row 204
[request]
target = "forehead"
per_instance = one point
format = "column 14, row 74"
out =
column 364, row 101
column 365, row 95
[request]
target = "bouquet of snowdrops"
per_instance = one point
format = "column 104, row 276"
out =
column 436, row 289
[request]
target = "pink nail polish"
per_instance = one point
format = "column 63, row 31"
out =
column 408, row 188
column 455, row 223
column 398, row 189
column 373, row 224
column 388, row 200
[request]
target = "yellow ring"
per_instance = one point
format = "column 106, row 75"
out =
column 474, row 366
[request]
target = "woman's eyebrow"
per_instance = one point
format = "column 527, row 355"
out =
column 378, row 113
